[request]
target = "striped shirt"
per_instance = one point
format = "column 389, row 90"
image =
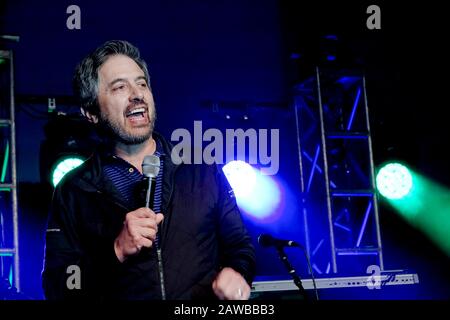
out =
column 130, row 182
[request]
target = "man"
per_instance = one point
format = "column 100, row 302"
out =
column 102, row 242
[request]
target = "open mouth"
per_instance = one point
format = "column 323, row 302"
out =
column 136, row 113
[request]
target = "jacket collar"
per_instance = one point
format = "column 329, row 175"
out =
column 91, row 178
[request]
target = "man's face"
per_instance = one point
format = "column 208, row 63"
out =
column 126, row 103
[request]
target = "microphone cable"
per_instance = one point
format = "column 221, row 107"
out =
column 157, row 245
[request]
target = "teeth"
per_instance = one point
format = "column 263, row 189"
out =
column 134, row 111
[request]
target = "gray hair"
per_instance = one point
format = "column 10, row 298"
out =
column 85, row 80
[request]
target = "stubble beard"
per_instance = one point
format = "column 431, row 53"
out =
column 115, row 132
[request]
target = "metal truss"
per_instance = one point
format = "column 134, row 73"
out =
column 340, row 209
column 9, row 220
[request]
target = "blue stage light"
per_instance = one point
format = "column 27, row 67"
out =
column 256, row 194
column 241, row 176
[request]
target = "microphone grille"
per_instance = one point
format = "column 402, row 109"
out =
column 150, row 166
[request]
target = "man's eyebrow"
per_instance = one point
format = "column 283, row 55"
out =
column 125, row 80
column 116, row 80
column 141, row 78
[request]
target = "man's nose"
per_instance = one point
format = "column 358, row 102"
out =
column 136, row 94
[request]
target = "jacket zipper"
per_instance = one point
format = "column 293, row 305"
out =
column 169, row 200
column 158, row 249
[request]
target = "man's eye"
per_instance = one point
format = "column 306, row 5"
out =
column 119, row 87
column 143, row 84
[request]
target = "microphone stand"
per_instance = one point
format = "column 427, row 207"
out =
column 291, row 271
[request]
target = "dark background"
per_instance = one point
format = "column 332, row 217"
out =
column 253, row 51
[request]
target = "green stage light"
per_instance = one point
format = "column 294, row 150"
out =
column 426, row 207
column 63, row 167
column 394, row 181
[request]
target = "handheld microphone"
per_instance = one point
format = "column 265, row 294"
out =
column 150, row 169
column 266, row 240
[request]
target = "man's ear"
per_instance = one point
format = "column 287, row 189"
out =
column 91, row 117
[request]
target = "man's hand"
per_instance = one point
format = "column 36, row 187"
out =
column 231, row 285
column 139, row 230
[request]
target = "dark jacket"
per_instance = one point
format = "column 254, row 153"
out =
column 201, row 233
